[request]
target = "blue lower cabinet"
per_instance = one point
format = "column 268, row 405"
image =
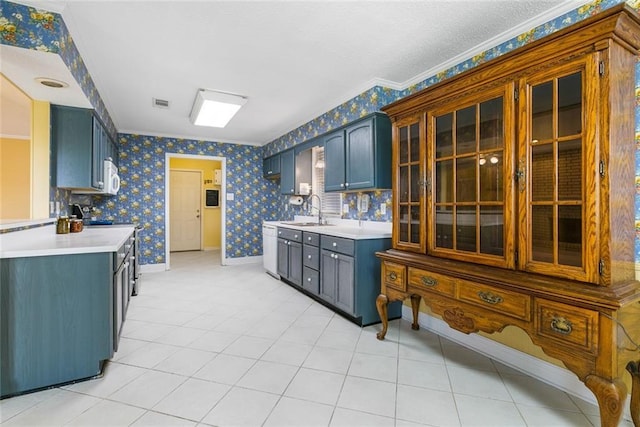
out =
column 56, row 319
column 350, row 277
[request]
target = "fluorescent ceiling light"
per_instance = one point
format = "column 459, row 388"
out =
column 215, row 108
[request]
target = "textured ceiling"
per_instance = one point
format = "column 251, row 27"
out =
column 294, row 60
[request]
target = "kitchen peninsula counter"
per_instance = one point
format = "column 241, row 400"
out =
column 348, row 229
column 43, row 241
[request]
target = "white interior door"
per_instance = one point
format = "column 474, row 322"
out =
column 184, row 210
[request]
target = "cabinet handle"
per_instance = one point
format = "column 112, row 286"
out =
column 308, row 256
column 521, row 175
column 428, row 281
column 334, row 244
column 309, row 238
column 308, row 279
column 393, row 276
column 490, row 298
column 561, row 325
column 295, row 236
column 346, row 184
column 288, row 243
column 341, row 185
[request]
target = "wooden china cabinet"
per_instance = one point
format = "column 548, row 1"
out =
column 513, row 189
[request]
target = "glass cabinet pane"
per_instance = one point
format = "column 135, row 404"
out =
column 444, row 136
column 403, row 187
column 415, row 224
column 491, row 126
column 570, row 170
column 570, row 235
column 492, row 230
column 444, row 181
column 415, row 185
column 466, row 229
column 542, row 172
column 542, row 112
column 414, row 130
column 404, row 223
column 403, row 142
column 466, row 130
column 542, row 233
column 570, row 105
column 491, row 167
column 466, row 179
column 444, row 227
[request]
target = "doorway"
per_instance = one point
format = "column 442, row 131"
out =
column 180, row 172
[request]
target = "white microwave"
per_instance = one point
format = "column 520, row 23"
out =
column 111, row 178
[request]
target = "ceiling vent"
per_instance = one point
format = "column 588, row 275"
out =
column 160, row 103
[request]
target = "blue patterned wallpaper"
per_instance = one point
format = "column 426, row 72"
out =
column 143, row 196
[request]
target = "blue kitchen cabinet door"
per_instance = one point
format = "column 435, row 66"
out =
column 358, row 157
column 56, row 317
column 79, row 145
column 271, row 166
column 287, row 172
column 334, row 160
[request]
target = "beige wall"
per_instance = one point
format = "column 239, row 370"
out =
column 15, row 178
column 24, row 154
column 211, row 217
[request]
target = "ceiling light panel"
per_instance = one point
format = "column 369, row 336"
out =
column 215, row 109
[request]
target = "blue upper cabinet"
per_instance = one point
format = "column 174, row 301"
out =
column 287, row 172
column 334, row 161
column 271, row 166
column 358, row 157
column 80, row 144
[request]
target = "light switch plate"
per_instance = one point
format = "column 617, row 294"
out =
column 383, row 209
column 230, row 196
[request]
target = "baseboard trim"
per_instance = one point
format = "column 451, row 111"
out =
column 153, row 268
column 544, row 371
column 243, row 260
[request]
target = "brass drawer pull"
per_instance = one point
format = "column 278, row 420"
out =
column 428, row 281
column 393, row 276
column 561, row 325
column 490, row 298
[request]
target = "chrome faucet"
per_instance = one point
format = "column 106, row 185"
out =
column 318, row 208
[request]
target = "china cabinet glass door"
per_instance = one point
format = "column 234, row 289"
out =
column 409, row 231
column 556, row 189
column 471, row 197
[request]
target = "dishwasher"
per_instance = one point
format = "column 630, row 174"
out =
column 270, row 249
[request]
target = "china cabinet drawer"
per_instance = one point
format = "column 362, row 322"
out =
column 394, row 276
column 432, row 282
column 500, row 300
column 568, row 324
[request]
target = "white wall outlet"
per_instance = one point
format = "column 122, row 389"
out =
column 383, row 209
column 52, row 207
column 230, row 196
column 57, row 207
column 345, row 208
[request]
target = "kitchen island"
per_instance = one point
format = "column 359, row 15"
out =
column 58, row 305
column 335, row 264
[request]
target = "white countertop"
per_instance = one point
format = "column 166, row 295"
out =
column 6, row 224
column 43, row 241
column 350, row 229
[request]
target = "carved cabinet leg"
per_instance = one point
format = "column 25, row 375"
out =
column 381, row 304
column 415, row 307
column 634, row 370
column 610, row 395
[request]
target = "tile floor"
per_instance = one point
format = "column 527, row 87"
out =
column 231, row 346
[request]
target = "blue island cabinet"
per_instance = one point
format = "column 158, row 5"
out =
column 350, row 277
column 56, row 319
